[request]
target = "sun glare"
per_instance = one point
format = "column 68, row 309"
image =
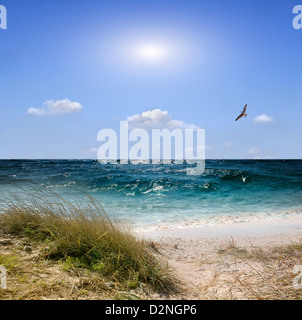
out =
column 151, row 52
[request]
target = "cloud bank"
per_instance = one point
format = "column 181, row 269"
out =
column 59, row 107
column 157, row 119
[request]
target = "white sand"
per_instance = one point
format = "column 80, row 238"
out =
column 245, row 229
column 193, row 253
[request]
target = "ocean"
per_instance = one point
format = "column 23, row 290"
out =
column 163, row 196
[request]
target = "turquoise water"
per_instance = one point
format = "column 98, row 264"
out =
column 159, row 196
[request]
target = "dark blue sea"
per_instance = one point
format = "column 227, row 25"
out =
column 163, row 196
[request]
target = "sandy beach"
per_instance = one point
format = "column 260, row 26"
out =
column 240, row 261
column 235, row 261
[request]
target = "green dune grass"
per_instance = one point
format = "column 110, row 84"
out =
column 82, row 235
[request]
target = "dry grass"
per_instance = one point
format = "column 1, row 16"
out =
column 32, row 278
column 81, row 236
column 79, row 252
column 268, row 273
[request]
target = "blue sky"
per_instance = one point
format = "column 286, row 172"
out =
column 214, row 56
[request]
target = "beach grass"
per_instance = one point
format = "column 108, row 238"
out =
column 80, row 235
column 78, row 251
column 269, row 272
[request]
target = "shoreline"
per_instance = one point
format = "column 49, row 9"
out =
column 248, row 260
column 265, row 228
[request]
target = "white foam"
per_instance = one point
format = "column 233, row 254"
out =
column 216, row 220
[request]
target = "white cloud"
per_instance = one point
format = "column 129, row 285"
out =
column 157, row 119
column 90, row 152
column 268, row 157
column 254, row 150
column 59, row 107
column 228, row 144
column 259, row 154
column 209, row 147
column 264, row 118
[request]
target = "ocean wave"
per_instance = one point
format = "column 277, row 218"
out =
column 165, row 194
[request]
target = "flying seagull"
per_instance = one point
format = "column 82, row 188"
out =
column 243, row 113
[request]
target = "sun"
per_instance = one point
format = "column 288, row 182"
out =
column 151, row 52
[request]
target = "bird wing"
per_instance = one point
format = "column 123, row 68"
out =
column 239, row 117
column 244, row 110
